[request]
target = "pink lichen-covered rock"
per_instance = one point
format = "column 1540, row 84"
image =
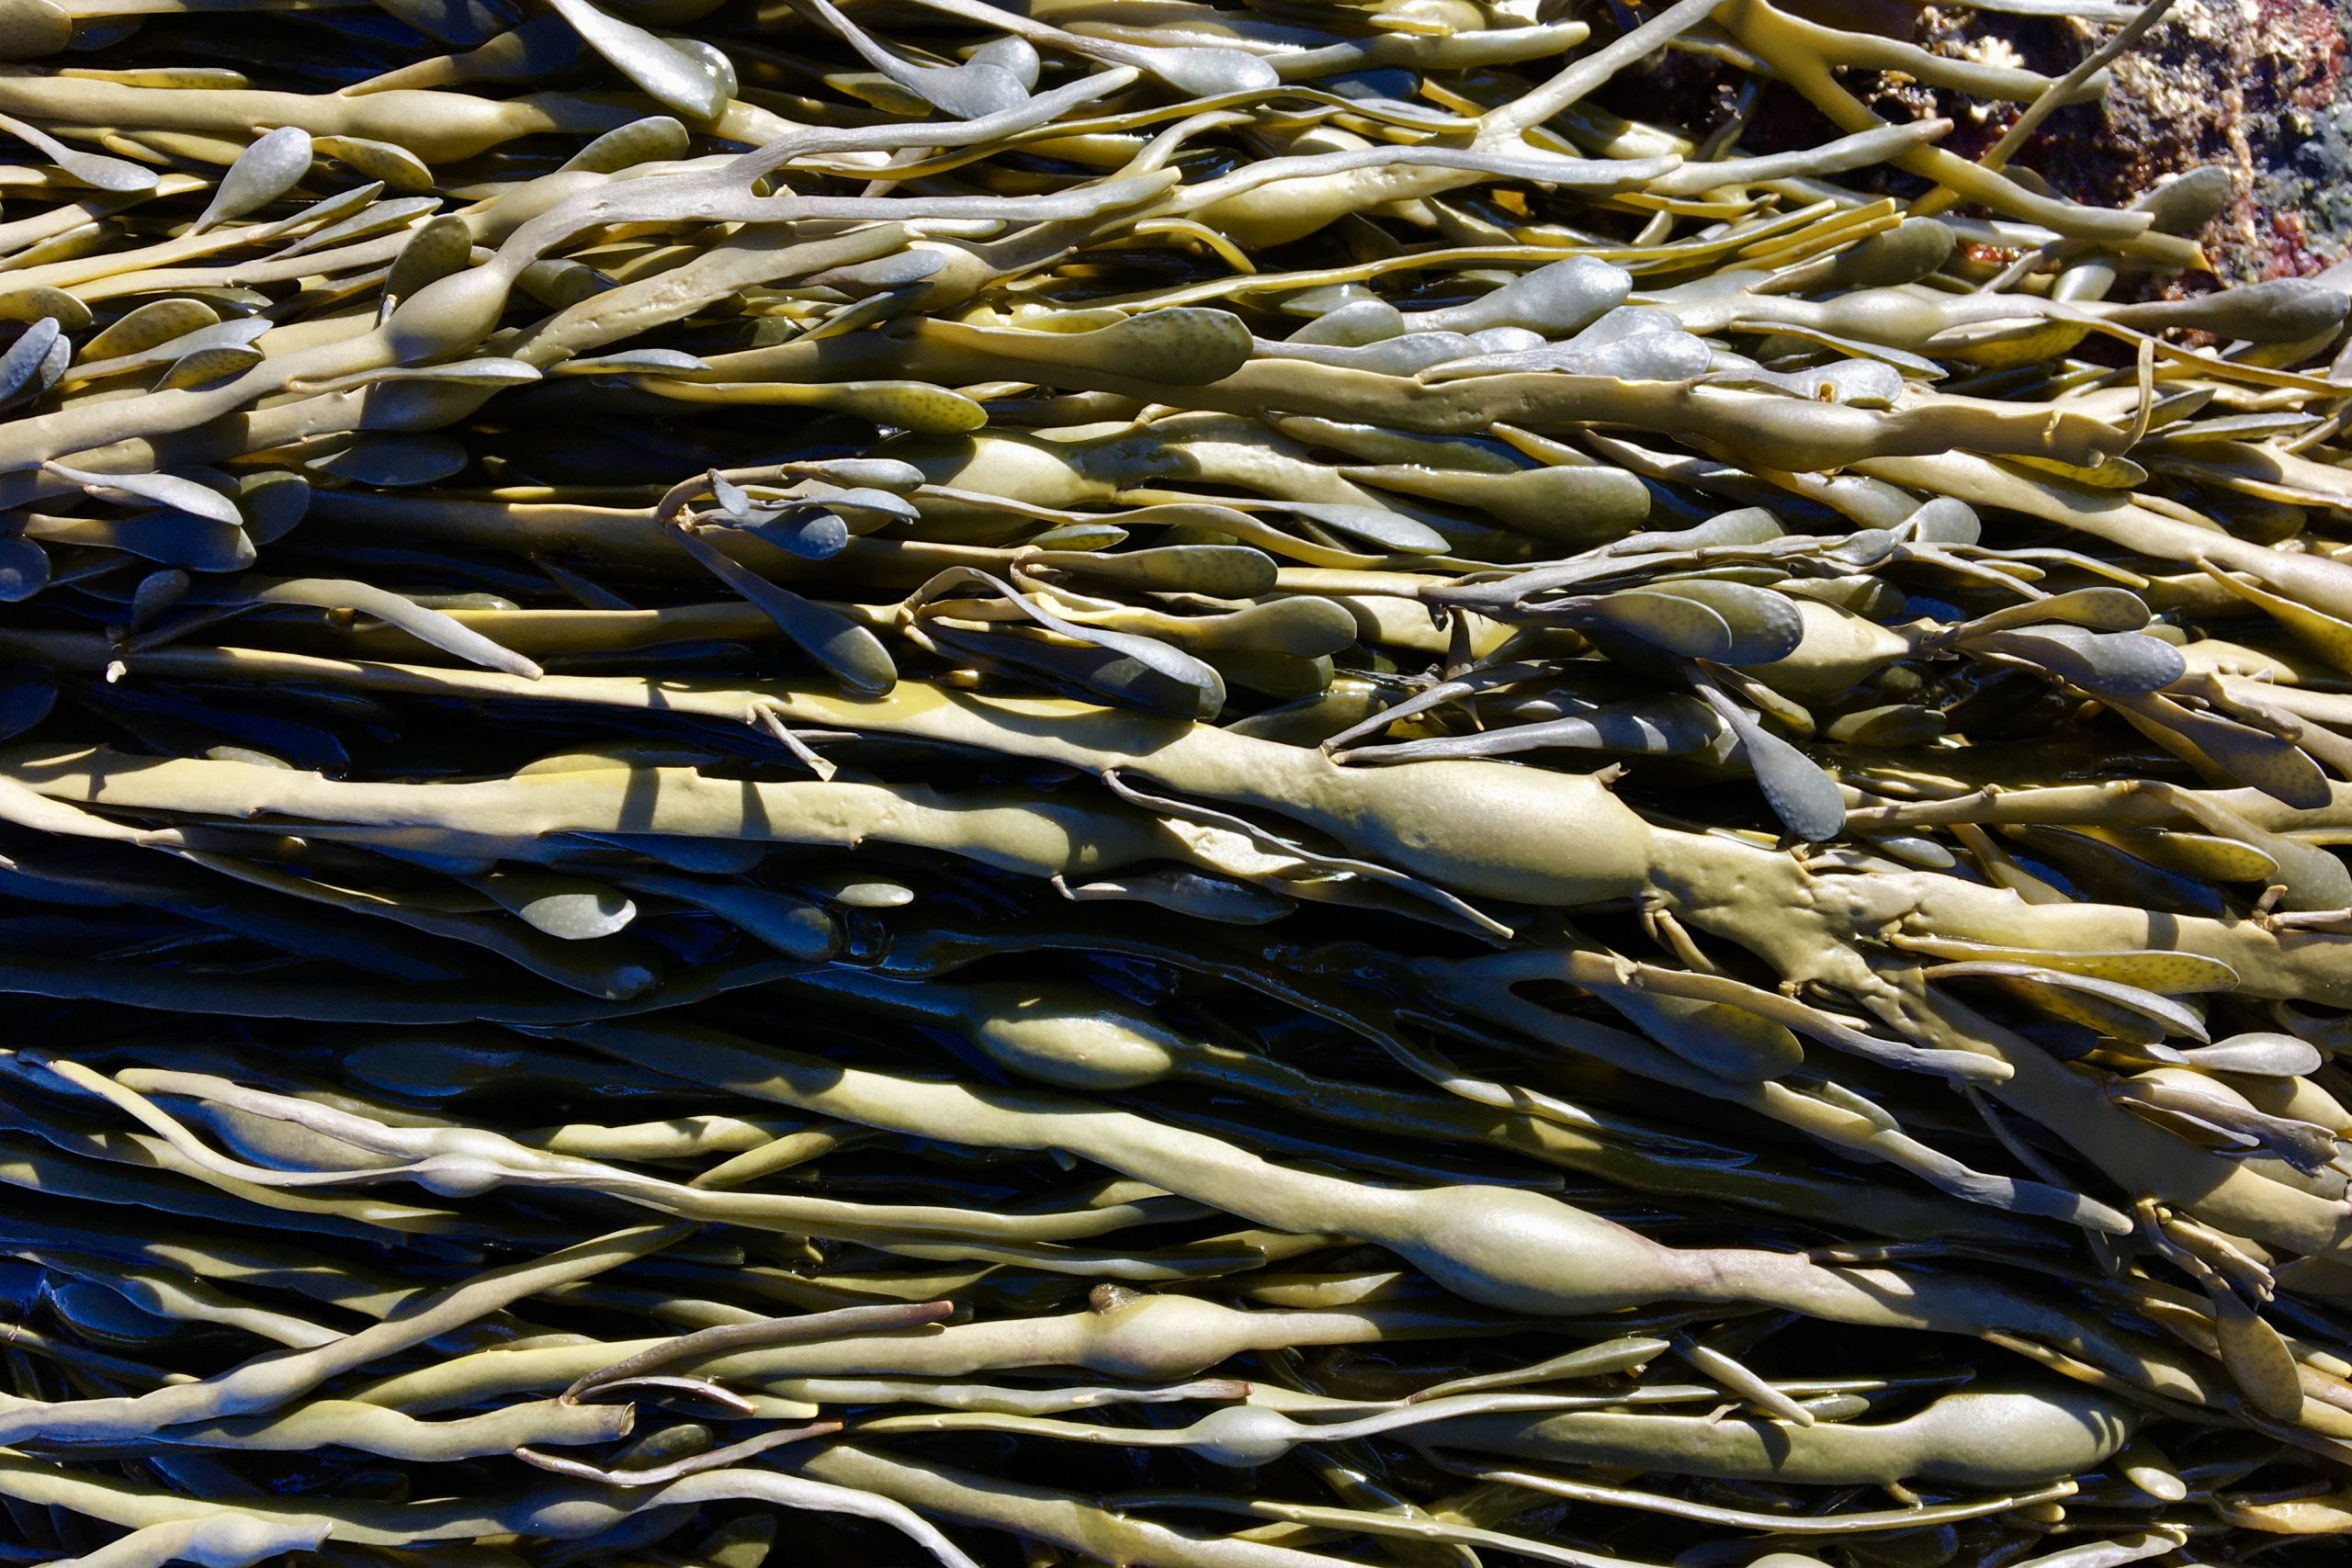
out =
column 2261, row 87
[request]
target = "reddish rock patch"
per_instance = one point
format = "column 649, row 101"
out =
column 2261, row 87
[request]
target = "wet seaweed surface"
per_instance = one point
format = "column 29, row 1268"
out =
column 1127, row 782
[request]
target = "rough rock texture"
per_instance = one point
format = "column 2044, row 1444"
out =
column 2261, row 87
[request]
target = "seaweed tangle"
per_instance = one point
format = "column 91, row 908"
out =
column 1210, row 785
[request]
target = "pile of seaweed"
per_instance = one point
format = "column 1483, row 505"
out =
column 1155, row 782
